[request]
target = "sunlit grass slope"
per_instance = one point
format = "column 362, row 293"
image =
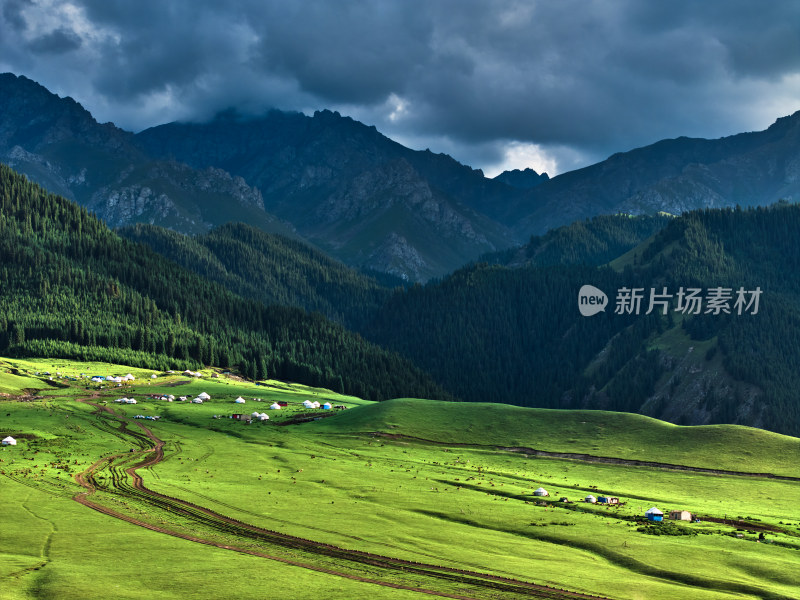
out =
column 599, row 433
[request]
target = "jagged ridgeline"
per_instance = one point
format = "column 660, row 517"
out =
column 70, row 287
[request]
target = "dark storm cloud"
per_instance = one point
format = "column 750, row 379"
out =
column 58, row 41
column 574, row 79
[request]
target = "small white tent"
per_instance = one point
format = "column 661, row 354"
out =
column 275, row 406
column 540, row 492
column 256, row 415
column 197, row 401
column 308, row 404
column 128, row 377
column 316, row 404
column 590, row 499
column 239, row 400
column 203, row 396
column 153, row 376
column 264, row 417
column 9, row 441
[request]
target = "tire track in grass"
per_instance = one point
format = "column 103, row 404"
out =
column 480, row 583
column 621, row 560
column 590, row 458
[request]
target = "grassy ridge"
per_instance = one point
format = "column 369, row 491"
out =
column 469, row 507
column 600, row 433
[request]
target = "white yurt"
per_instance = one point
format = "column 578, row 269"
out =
column 275, row 406
column 153, row 376
column 203, row 396
column 308, row 404
column 9, row 441
column 239, row 400
column 256, row 415
column 197, row 400
column 540, row 492
column 327, row 406
column 316, row 404
column 263, row 417
column 590, row 499
column 128, row 377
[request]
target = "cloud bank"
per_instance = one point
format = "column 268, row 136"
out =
column 497, row 84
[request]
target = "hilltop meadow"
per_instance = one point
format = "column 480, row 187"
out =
column 398, row 499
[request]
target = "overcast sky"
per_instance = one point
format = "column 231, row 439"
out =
column 552, row 85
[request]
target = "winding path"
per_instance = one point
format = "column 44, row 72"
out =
column 477, row 582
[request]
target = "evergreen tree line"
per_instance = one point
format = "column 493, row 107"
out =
column 594, row 241
column 270, row 268
column 72, row 287
column 489, row 333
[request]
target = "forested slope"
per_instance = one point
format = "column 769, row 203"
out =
column 269, row 268
column 69, row 286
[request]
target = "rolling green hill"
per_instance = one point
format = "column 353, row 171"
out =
column 593, row 432
column 401, row 499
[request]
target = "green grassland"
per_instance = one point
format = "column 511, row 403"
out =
column 447, row 484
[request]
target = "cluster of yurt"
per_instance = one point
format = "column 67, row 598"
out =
column 257, row 416
column 114, row 379
column 310, row 404
column 126, row 400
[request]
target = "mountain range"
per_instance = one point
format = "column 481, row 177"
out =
column 228, row 234
column 512, row 334
column 345, row 188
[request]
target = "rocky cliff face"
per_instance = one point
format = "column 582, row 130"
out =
column 366, row 199
column 57, row 143
column 355, row 193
